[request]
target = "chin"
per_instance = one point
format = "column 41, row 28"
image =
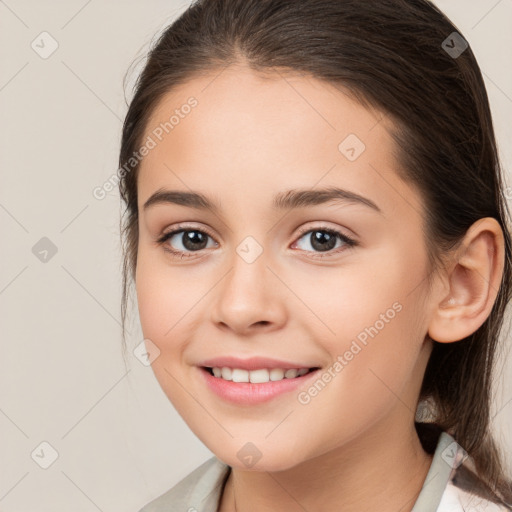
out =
column 248, row 457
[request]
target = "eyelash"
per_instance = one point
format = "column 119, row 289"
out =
column 349, row 242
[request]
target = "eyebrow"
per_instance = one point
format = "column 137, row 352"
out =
column 287, row 200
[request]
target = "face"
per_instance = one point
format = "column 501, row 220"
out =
column 330, row 282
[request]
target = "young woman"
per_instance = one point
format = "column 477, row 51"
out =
column 318, row 235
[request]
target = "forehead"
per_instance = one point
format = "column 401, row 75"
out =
column 249, row 133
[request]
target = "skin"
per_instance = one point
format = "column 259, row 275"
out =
column 249, row 138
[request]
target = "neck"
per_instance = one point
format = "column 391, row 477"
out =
column 382, row 469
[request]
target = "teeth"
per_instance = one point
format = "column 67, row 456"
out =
column 276, row 374
column 257, row 376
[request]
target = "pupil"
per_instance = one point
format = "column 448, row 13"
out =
column 193, row 240
column 322, row 240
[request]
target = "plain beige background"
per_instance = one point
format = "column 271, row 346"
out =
column 117, row 440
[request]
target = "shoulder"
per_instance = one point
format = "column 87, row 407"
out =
column 199, row 490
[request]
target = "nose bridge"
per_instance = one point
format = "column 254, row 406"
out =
column 247, row 279
column 247, row 294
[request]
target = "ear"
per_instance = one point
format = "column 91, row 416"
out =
column 474, row 278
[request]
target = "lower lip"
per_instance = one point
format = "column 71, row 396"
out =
column 248, row 393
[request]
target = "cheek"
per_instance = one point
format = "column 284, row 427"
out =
column 164, row 295
column 373, row 372
column 376, row 291
column 165, row 301
column 172, row 305
column 371, row 321
column 155, row 306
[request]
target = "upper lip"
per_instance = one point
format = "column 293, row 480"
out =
column 252, row 363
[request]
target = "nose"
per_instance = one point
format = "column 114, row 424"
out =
column 249, row 298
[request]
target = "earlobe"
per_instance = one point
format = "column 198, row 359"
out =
column 474, row 280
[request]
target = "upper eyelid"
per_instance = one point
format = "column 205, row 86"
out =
column 180, row 228
column 301, row 230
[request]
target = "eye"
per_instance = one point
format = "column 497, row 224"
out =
column 324, row 239
column 186, row 240
column 182, row 242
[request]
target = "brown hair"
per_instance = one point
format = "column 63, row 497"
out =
column 391, row 55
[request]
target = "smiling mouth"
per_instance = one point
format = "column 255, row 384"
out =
column 259, row 376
